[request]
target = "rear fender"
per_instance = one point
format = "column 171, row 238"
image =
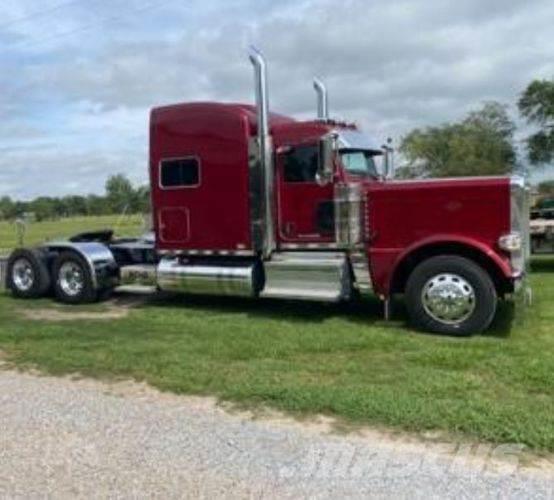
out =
column 99, row 258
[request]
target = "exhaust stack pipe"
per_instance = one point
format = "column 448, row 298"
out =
column 322, row 100
column 265, row 147
column 388, row 151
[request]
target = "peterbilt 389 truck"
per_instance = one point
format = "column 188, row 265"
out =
column 248, row 202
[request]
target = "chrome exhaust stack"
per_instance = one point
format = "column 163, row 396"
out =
column 388, row 153
column 322, row 100
column 265, row 148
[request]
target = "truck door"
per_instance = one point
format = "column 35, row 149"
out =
column 176, row 187
column 305, row 208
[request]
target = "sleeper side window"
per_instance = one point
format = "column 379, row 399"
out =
column 301, row 164
column 179, row 172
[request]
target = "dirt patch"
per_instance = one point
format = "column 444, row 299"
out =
column 116, row 308
column 60, row 315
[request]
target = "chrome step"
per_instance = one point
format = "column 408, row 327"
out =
column 319, row 276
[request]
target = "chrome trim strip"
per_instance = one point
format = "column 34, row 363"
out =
column 215, row 253
column 309, row 246
column 441, row 179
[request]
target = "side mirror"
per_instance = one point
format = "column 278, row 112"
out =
column 326, row 160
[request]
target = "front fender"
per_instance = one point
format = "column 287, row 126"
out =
column 385, row 262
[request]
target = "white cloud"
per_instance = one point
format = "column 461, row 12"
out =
column 79, row 104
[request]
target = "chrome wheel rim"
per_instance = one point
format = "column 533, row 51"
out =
column 23, row 275
column 448, row 298
column 71, row 279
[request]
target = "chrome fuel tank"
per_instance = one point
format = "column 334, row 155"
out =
column 209, row 279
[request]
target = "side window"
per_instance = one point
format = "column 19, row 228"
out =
column 300, row 164
column 180, row 172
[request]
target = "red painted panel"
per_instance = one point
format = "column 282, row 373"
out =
column 299, row 206
column 219, row 208
column 298, row 212
column 218, row 211
column 174, row 225
column 407, row 214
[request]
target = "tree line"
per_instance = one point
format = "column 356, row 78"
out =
column 482, row 143
column 120, row 197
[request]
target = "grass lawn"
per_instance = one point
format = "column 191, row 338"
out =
column 37, row 232
column 307, row 358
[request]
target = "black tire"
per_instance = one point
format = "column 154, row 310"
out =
column 463, row 276
column 38, row 278
column 82, row 294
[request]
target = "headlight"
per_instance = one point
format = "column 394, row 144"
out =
column 511, row 242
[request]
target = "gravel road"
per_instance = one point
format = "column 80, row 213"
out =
column 63, row 438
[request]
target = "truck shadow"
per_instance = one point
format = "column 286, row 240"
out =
column 366, row 310
column 504, row 321
column 363, row 312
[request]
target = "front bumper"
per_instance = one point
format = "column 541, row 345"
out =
column 522, row 292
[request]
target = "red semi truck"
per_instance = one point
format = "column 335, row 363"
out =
column 248, row 202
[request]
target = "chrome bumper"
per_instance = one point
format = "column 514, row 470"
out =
column 523, row 293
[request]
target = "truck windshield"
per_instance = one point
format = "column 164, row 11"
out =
column 359, row 162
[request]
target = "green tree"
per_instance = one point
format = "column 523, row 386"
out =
column 120, row 194
column 481, row 144
column 7, row 208
column 546, row 188
column 536, row 104
column 142, row 200
column 97, row 205
column 43, row 208
column 75, row 205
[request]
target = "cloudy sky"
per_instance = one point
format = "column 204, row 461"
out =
column 77, row 78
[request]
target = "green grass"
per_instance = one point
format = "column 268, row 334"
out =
column 38, row 232
column 308, row 358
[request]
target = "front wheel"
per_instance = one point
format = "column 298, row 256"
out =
column 450, row 295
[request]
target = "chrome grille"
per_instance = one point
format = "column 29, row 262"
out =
column 519, row 222
column 348, row 215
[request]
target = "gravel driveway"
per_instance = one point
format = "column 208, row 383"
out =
column 62, row 438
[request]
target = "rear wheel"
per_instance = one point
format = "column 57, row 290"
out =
column 73, row 280
column 451, row 295
column 27, row 274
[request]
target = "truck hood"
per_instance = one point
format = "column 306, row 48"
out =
column 402, row 213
